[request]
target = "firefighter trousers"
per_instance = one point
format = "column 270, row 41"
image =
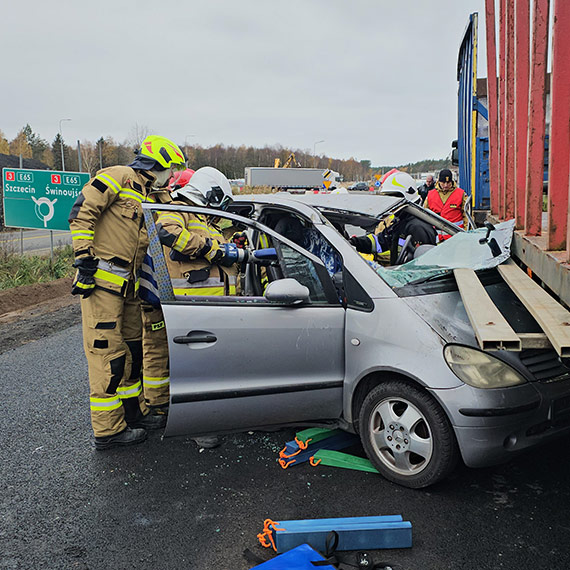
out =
column 113, row 346
column 156, row 378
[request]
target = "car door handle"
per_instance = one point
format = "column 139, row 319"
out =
column 195, row 336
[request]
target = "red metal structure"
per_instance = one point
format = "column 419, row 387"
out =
column 517, row 128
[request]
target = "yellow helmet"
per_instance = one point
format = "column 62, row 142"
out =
column 163, row 151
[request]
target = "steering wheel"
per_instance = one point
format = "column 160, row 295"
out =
column 407, row 251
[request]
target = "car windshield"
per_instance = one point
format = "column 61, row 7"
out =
column 471, row 250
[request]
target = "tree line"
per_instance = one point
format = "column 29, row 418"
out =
column 231, row 160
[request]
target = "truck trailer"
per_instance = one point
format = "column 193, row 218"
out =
column 288, row 178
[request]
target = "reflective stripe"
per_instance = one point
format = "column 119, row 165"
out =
column 197, row 226
column 172, row 217
column 110, row 277
column 131, row 194
column 156, row 327
column 130, row 392
column 83, row 285
column 263, row 241
column 181, row 241
column 110, row 181
column 82, row 234
column 105, row 404
column 159, row 381
column 210, row 282
column 137, row 285
column 219, row 291
column 112, row 268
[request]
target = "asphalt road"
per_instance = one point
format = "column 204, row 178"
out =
column 164, row 504
column 34, row 242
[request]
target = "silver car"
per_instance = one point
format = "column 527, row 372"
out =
column 322, row 336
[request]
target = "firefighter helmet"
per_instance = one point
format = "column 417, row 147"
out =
column 180, row 179
column 207, row 187
column 400, row 184
column 159, row 153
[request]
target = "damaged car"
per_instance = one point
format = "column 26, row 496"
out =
column 319, row 335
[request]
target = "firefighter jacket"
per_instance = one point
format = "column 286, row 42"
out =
column 185, row 236
column 107, row 222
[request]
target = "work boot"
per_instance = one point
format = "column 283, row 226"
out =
column 207, row 441
column 150, row 421
column 126, row 437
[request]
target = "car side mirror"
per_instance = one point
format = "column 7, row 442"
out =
column 287, row 291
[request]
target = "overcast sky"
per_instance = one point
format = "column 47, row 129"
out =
column 374, row 79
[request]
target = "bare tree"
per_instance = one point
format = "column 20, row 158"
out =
column 137, row 134
column 89, row 157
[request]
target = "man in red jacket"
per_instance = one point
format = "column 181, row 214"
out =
column 448, row 200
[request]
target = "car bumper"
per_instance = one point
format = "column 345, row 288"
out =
column 492, row 426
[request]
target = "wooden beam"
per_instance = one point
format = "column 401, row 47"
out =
column 552, row 317
column 492, row 330
column 534, row 340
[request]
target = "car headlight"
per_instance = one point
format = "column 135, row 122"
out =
column 479, row 369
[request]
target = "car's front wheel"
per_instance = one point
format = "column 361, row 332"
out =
column 406, row 435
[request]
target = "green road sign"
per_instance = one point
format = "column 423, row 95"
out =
column 40, row 199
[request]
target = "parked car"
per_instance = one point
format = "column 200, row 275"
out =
column 360, row 187
column 334, row 340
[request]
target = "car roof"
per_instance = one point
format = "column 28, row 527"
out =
column 359, row 204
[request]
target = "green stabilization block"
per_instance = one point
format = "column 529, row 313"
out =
column 339, row 459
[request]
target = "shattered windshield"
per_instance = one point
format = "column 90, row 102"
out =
column 472, row 250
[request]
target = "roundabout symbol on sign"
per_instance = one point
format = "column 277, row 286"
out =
column 44, row 214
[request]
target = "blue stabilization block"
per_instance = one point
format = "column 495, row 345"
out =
column 299, row 558
column 339, row 441
column 355, row 533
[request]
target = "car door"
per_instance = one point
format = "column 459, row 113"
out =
column 243, row 362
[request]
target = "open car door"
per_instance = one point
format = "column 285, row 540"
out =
column 247, row 361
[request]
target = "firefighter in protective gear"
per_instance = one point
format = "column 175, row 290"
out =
column 109, row 241
column 391, row 233
column 156, row 376
column 449, row 201
column 197, row 258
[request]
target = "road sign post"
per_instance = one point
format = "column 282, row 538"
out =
column 40, row 199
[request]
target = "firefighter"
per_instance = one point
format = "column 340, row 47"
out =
column 449, row 201
column 196, row 251
column 109, row 241
column 156, row 379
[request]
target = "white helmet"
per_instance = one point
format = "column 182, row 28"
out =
column 340, row 190
column 400, row 184
column 207, row 187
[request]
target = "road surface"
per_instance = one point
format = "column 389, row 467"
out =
column 165, row 504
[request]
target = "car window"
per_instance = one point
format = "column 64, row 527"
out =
column 245, row 282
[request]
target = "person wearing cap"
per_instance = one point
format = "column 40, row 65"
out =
column 109, row 241
column 448, row 200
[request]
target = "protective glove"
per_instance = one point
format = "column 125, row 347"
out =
column 363, row 244
column 84, row 282
column 211, row 251
column 240, row 239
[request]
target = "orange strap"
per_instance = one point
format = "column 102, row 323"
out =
column 313, row 462
column 286, row 464
column 302, row 446
column 266, row 537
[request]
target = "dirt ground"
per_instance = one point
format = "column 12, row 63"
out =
column 30, row 312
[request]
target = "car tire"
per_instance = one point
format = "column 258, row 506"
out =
column 407, row 435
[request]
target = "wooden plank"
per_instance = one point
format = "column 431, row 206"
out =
column 492, row 330
column 552, row 317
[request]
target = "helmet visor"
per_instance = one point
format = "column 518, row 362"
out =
column 217, row 198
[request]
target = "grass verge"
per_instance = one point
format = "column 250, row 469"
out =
column 17, row 270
